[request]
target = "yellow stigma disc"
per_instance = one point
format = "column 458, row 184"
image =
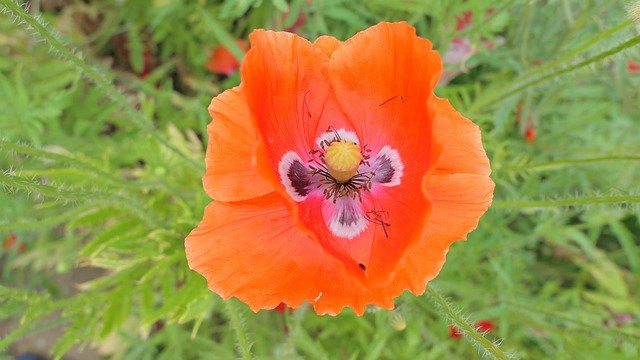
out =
column 342, row 159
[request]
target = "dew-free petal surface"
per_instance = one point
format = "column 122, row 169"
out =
column 382, row 78
column 463, row 150
column 460, row 192
column 328, row 44
column 285, row 83
column 287, row 87
column 231, row 173
column 252, row 250
column 264, row 247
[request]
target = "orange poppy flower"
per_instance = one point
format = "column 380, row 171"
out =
column 339, row 178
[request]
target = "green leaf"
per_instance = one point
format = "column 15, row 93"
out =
column 117, row 310
column 136, row 49
column 223, row 36
column 631, row 250
column 281, row 5
column 126, row 231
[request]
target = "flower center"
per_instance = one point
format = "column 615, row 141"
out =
column 342, row 172
column 342, row 159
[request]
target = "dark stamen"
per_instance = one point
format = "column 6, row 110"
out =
column 379, row 217
column 334, row 190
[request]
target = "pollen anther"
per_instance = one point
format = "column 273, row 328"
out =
column 342, row 159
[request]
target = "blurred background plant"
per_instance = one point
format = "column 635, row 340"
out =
column 102, row 138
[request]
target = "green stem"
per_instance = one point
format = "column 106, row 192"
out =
column 558, row 164
column 244, row 347
column 581, row 325
column 465, row 327
column 222, row 35
column 514, row 90
column 592, row 200
column 72, row 159
column 130, row 204
column 94, row 75
column 601, row 36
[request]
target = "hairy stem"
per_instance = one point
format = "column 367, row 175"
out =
column 512, row 90
column 243, row 344
column 95, row 76
column 562, row 163
column 590, row 200
column 469, row 331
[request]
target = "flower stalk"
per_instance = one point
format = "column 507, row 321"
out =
column 98, row 78
column 471, row 333
column 235, row 319
column 579, row 201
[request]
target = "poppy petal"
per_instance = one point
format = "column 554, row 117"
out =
column 382, row 78
column 284, row 77
column 285, row 264
column 289, row 93
column 431, row 186
column 460, row 192
column 231, row 174
column 294, row 175
column 462, row 151
column 344, row 218
column 458, row 201
column 458, row 186
column 388, row 167
column 328, row 44
column 398, row 216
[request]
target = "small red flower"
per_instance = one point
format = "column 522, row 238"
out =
column 222, row 60
column 488, row 44
column 632, row 66
column 482, row 326
column 454, row 333
column 464, row 20
column 530, row 133
column 485, row 325
column 10, row 242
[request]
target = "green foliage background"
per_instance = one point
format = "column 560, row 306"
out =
column 100, row 169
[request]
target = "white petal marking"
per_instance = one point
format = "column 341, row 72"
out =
column 388, row 167
column 333, row 135
column 293, row 176
column 347, row 220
